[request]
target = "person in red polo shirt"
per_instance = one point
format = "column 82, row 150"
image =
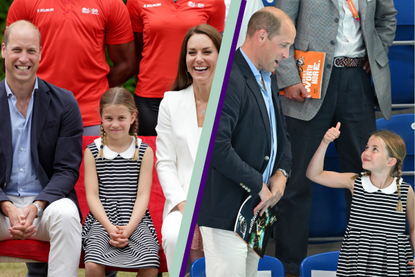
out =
column 74, row 36
column 159, row 27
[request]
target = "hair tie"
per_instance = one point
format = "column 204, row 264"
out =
column 399, row 198
column 102, row 146
column 136, row 146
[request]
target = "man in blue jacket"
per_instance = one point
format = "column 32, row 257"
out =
column 252, row 152
column 40, row 154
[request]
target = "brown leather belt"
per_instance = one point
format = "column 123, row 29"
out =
column 347, row 62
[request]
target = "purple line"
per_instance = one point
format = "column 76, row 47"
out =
column 212, row 138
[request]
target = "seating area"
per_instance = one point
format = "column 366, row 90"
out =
column 267, row 267
column 37, row 251
column 323, row 264
column 320, row 263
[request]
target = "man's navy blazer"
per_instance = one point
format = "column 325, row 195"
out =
column 56, row 142
column 242, row 147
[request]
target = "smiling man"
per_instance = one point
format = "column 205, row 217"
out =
column 252, row 152
column 40, row 154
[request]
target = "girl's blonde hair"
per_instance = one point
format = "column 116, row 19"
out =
column 118, row 96
column 396, row 148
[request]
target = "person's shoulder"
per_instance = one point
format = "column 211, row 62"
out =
column 119, row 3
column 109, row 7
column 171, row 94
column 134, row 5
column 236, row 77
column 46, row 86
column 54, row 92
column 239, row 63
column 144, row 147
column 213, row 3
column 405, row 185
column 177, row 96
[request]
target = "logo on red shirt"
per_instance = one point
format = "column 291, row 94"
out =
column 91, row 11
column 193, row 4
column 152, row 5
column 45, row 10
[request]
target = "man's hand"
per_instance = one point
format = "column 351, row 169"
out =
column 366, row 65
column 276, row 185
column 21, row 222
column 296, row 92
column 265, row 195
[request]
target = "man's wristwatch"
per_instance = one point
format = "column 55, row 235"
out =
column 283, row 172
column 39, row 209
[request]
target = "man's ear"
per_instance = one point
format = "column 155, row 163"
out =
column 3, row 48
column 262, row 35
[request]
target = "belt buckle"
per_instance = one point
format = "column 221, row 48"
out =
column 335, row 60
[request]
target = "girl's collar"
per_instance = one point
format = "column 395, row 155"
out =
column 369, row 187
column 110, row 155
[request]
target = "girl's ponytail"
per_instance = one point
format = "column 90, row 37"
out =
column 398, row 180
column 103, row 142
column 134, row 131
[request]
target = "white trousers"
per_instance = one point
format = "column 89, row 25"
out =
column 60, row 225
column 226, row 254
column 170, row 232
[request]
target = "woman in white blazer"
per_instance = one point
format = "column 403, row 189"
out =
column 180, row 120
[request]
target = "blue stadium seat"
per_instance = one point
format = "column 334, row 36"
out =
column 198, row 268
column 273, row 264
column 323, row 261
column 268, row 263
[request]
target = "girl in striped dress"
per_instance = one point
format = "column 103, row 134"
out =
column 118, row 231
column 374, row 243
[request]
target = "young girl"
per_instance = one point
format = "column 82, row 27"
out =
column 374, row 243
column 119, row 231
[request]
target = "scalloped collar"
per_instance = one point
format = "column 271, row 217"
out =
column 369, row 187
column 110, row 155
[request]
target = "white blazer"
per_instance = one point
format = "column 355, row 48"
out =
column 176, row 144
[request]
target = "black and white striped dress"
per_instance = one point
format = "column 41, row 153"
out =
column 118, row 178
column 375, row 243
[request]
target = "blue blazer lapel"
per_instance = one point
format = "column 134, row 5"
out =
column 40, row 112
column 256, row 91
column 5, row 129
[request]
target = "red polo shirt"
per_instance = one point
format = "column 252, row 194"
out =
column 164, row 24
column 74, row 34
